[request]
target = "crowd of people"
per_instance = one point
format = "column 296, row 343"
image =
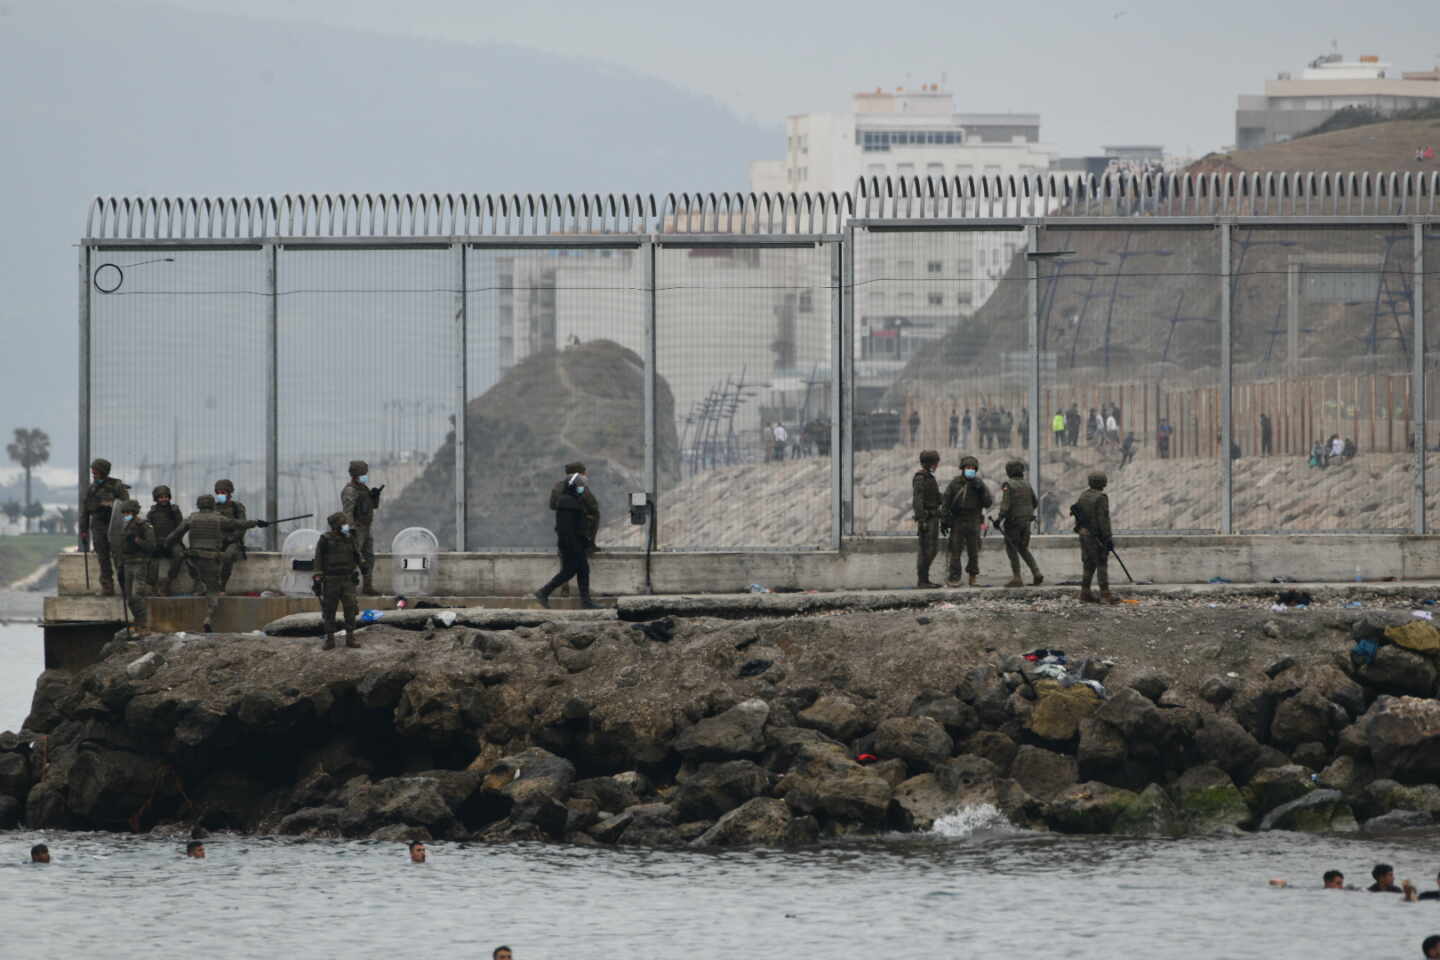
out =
column 994, row 428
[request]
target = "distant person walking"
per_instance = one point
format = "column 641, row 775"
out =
column 570, row 538
column 1265, row 435
column 954, row 435
column 1127, row 450
column 914, row 427
column 781, row 437
column 966, row 424
column 1162, row 438
column 1057, row 427
column 1025, row 428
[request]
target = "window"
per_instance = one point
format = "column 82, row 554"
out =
column 906, row 299
column 965, row 267
column 965, row 298
column 935, row 299
column 934, row 266
column 905, row 268
column 995, row 257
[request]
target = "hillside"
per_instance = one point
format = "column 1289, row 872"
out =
column 1373, row 147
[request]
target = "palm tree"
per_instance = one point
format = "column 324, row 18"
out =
column 30, row 449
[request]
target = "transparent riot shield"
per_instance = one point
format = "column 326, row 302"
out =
column 414, row 551
column 298, row 555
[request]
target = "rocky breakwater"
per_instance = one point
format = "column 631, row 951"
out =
column 711, row 732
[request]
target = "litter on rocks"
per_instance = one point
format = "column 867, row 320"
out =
column 1354, row 605
column 1218, row 580
column 445, row 618
column 371, row 616
column 1422, row 614
column 759, row 588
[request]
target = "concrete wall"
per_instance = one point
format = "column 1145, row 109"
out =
column 888, row 562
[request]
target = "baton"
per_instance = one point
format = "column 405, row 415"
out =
column 303, row 516
column 85, row 554
column 1122, row 565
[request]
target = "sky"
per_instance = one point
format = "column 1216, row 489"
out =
column 210, row 97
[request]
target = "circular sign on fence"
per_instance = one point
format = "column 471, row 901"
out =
column 108, row 278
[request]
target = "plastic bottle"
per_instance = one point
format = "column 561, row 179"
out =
column 370, row 616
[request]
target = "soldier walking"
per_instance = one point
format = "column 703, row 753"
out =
column 164, row 517
column 1017, row 512
column 1092, row 522
column 926, row 499
column 570, row 538
column 359, row 501
column 233, row 550
column 208, row 532
column 137, row 550
column 96, row 513
column 962, row 510
column 337, row 566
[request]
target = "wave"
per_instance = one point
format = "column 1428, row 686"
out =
column 967, row 822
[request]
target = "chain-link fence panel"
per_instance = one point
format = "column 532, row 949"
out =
column 941, row 362
column 1323, row 334
column 368, row 349
column 1430, row 281
column 1129, row 329
column 178, row 369
column 555, row 345
column 743, row 348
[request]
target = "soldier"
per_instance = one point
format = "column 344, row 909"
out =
column 137, row 549
column 95, row 516
column 1017, row 512
column 164, row 517
column 208, row 532
column 360, row 501
column 234, row 549
column 926, row 499
column 1092, row 523
column 337, row 566
column 570, row 538
column 962, row 509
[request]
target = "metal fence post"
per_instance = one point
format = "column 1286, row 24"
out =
column 84, row 396
column 846, row 418
column 272, row 395
column 1417, row 387
column 1032, row 335
column 837, row 354
column 462, row 320
column 1227, row 473
column 652, row 460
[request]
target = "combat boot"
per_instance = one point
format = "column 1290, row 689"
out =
column 1037, row 581
column 972, row 579
column 1015, row 581
column 107, row 588
column 542, row 598
column 1087, row 597
column 927, row 585
column 329, row 642
column 368, row 587
column 1107, row 597
column 587, row 604
column 350, row 640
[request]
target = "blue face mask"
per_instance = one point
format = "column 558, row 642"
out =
column 579, row 489
column 969, row 474
column 344, row 528
column 126, row 518
column 222, row 498
column 364, row 478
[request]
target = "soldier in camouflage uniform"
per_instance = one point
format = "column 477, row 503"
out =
column 234, row 549
column 1092, row 522
column 95, row 515
column 359, row 501
column 164, row 517
column 962, row 510
column 925, row 501
column 337, row 566
column 208, row 532
column 136, row 550
column 1017, row 512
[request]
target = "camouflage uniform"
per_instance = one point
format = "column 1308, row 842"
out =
column 165, row 518
column 925, row 500
column 95, row 516
column 962, row 508
column 1017, row 512
column 208, row 531
column 136, row 550
column 233, row 550
column 1092, row 523
column 359, row 503
column 337, row 567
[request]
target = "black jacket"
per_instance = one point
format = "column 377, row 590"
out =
column 570, row 521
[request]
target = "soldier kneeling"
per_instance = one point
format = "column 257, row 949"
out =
column 337, row 562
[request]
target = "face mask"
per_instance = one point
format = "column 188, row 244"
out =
column 162, row 503
column 222, row 497
column 969, row 474
column 344, row 528
column 579, row 489
column 126, row 519
column 364, row 478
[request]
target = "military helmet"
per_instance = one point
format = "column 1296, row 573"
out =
column 336, row 520
column 101, row 464
column 130, row 506
column 359, row 468
column 1097, row 480
column 574, row 467
column 1015, row 468
column 224, row 486
column 161, row 491
column 969, row 461
column 929, row 456
column 205, row 502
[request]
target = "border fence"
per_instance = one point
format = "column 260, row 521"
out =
column 1242, row 352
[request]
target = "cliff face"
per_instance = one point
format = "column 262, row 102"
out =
column 585, row 403
column 720, row 732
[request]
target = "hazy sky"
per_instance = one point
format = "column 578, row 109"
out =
column 1122, row 72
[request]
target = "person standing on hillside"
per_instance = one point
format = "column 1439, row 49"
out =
column 954, row 435
column 781, row 438
column 359, row 501
column 234, row 550
column 1024, row 428
column 966, row 423
column 1162, row 438
column 962, row 511
column 925, row 500
column 914, row 427
column 1017, row 513
column 164, row 517
column 1057, row 427
column 1072, row 424
column 95, row 515
column 337, row 567
column 1092, row 523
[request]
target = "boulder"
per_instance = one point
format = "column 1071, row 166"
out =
column 1402, row 673
column 957, row 717
column 1094, row 807
column 113, row 789
column 609, row 793
column 52, row 689
column 824, row 780
column 759, row 822
column 1320, row 811
column 651, row 825
column 892, row 771
column 1147, row 733
column 1059, row 710
column 1307, row 716
column 717, row 788
column 1229, row 746
column 920, row 741
column 407, row 801
column 1275, row 786
column 992, row 745
column 738, row 732
column 1403, row 734
column 610, row 829
column 1151, row 815
column 10, row 810
column 1385, row 796
column 1217, row 690
column 533, row 766
column 1043, row 773
column 834, row 716
column 15, row 779
column 1101, row 753
column 583, row 814
column 953, row 786
column 1346, row 774
column 1313, row 755
column 1320, row 678
column 312, row 821
column 1398, row 820
column 1209, row 801
column 1151, row 685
